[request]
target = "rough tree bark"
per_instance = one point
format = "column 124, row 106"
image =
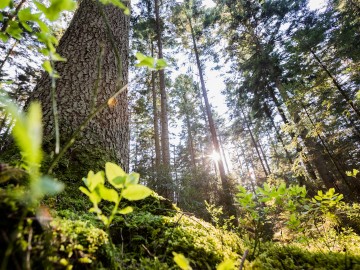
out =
column 107, row 135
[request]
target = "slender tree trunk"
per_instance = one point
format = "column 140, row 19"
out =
column 190, row 143
column 227, row 194
column 264, row 156
column 106, row 138
column 166, row 190
column 278, row 136
column 254, row 142
column 156, row 118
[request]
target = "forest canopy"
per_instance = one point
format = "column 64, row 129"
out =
column 188, row 134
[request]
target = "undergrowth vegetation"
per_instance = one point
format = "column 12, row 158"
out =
column 109, row 220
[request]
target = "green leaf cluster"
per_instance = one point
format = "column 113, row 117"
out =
column 150, row 62
column 290, row 208
column 25, row 20
column 125, row 186
column 53, row 12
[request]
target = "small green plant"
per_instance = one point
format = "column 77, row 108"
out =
column 289, row 208
column 27, row 133
column 126, row 186
column 150, row 62
column 352, row 173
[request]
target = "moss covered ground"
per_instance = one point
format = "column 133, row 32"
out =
column 60, row 233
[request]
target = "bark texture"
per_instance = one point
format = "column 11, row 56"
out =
column 81, row 45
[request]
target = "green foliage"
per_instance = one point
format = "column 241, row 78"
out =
column 118, row 4
column 226, row 265
column 32, row 22
column 150, row 62
column 290, row 257
column 181, row 261
column 352, row 173
column 293, row 216
column 74, row 242
column 27, row 133
column 56, row 7
column 217, row 217
column 127, row 183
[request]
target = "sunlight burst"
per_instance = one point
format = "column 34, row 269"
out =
column 215, row 156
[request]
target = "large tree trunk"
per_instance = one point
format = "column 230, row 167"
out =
column 107, row 135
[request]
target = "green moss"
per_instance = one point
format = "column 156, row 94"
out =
column 290, row 257
column 143, row 234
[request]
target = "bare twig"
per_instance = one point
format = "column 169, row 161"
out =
column 28, row 250
column 243, row 259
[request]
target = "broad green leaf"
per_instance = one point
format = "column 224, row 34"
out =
column 181, row 261
column 94, row 198
column 95, row 180
column 56, row 7
column 136, row 192
column 147, row 62
column 47, row 186
column 126, row 210
column 139, row 56
column 57, row 57
column 1, row 17
column 4, row 3
column 132, row 178
column 108, row 194
column 4, row 37
column 34, row 129
column 160, row 64
column 115, row 175
column 27, row 132
column 47, row 66
column 85, row 191
column 226, row 265
column 14, row 30
column 26, row 15
column 43, row 27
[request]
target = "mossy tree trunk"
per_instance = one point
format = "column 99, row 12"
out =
column 107, row 135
